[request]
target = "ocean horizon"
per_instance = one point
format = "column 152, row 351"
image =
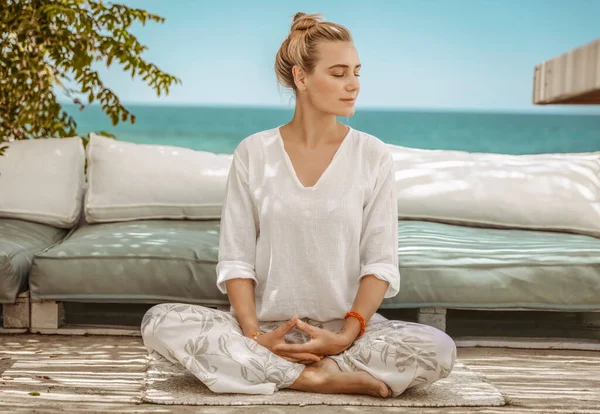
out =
column 220, row 128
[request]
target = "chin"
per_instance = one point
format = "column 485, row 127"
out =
column 348, row 112
column 345, row 112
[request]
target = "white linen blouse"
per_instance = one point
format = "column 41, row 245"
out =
column 306, row 248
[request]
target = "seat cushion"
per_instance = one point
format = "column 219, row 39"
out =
column 146, row 261
column 441, row 265
column 453, row 266
column 19, row 241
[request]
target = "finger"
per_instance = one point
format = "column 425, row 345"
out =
column 308, row 328
column 298, row 356
column 307, row 356
column 293, row 348
column 287, row 326
column 311, row 357
column 288, row 358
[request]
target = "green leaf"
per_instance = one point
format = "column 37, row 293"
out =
column 49, row 47
column 106, row 134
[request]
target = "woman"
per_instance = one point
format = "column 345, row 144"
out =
column 308, row 250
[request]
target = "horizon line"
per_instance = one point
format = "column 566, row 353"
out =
column 538, row 109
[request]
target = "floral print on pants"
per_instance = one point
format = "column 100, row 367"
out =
column 209, row 343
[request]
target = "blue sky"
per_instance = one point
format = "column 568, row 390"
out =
column 426, row 54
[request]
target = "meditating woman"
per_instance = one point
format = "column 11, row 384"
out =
column 308, row 250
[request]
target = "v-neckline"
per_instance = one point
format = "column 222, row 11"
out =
column 290, row 165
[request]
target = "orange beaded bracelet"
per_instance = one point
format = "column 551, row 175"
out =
column 358, row 316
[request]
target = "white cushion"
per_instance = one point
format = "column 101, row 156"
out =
column 42, row 180
column 129, row 181
column 559, row 192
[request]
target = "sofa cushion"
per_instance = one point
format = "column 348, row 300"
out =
column 443, row 265
column 129, row 181
column 42, row 180
column 440, row 265
column 146, row 261
column 19, row 241
column 559, row 192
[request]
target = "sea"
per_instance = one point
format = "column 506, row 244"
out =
column 219, row 129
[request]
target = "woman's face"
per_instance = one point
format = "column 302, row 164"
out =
column 333, row 86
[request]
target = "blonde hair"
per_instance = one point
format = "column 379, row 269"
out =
column 300, row 47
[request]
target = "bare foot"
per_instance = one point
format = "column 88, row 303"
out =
column 327, row 365
column 325, row 377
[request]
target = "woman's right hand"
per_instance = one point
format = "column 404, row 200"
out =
column 276, row 337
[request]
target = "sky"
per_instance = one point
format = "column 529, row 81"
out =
column 420, row 54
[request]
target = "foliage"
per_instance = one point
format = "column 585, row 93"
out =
column 55, row 45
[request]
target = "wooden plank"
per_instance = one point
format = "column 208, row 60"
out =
column 68, row 379
column 538, row 381
column 571, row 78
column 528, row 343
column 11, row 331
column 78, row 330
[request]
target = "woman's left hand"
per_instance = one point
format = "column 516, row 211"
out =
column 323, row 342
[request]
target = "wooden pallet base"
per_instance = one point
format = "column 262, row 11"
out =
column 48, row 318
column 81, row 330
column 16, row 315
column 12, row 331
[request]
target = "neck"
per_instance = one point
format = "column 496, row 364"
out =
column 312, row 128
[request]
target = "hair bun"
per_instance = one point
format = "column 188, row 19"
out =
column 303, row 21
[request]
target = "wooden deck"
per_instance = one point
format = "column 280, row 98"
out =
column 104, row 374
column 572, row 78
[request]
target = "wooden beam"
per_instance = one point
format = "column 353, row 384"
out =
column 572, row 78
column 111, row 330
column 527, row 343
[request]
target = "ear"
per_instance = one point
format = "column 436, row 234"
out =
column 299, row 77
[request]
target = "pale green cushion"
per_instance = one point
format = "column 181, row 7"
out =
column 440, row 265
column 455, row 266
column 19, row 241
column 141, row 261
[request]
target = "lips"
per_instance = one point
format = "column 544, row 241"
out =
column 347, row 100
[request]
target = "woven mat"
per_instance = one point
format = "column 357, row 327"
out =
column 173, row 385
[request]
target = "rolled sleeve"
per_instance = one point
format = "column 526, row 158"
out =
column 379, row 237
column 238, row 228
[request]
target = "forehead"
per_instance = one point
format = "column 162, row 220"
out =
column 337, row 53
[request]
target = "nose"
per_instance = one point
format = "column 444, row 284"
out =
column 353, row 84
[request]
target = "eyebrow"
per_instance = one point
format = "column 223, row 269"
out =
column 343, row 66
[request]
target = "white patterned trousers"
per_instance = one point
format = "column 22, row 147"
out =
column 209, row 343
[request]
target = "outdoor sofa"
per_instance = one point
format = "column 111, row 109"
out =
column 120, row 222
